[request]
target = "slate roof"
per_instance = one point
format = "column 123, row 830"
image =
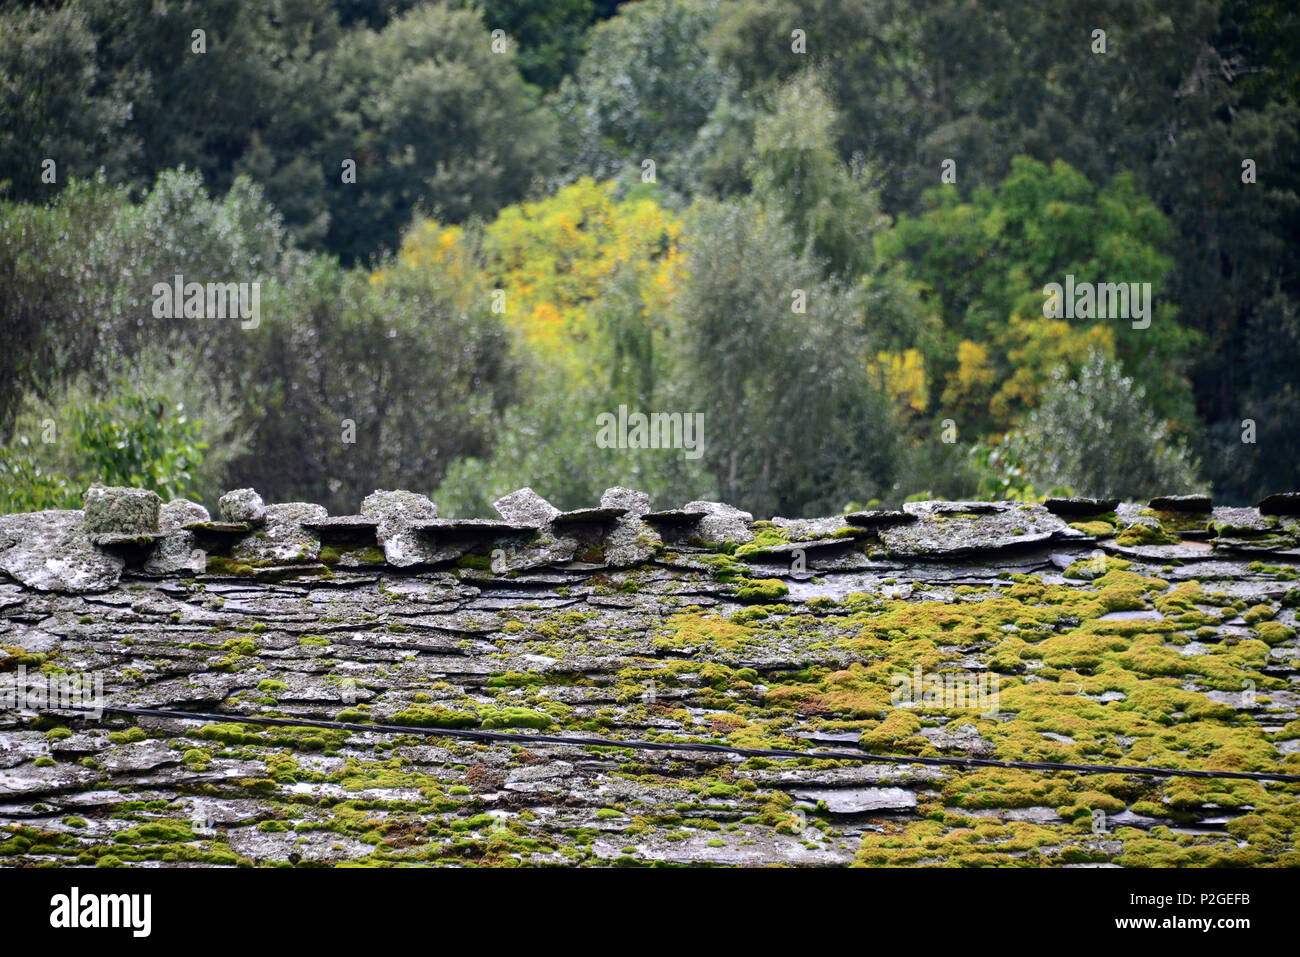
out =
column 1109, row 633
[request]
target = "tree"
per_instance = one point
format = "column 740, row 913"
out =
column 795, row 423
column 130, row 434
column 360, row 382
column 550, row 35
column 645, row 86
column 281, row 92
column 416, row 360
column 56, row 104
column 247, row 104
column 586, row 280
column 796, row 170
column 1178, row 97
column 91, row 253
column 436, row 122
column 984, row 264
column 1098, row 435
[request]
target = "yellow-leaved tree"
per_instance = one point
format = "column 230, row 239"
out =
column 549, row 264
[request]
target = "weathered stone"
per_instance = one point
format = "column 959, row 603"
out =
column 526, row 507
column 179, row 512
column 1181, row 503
column 398, row 507
column 480, row 528
column 396, row 512
column 631, row 540
column 860, row 800
column 578, row 649
column 242, row 505
column 589, row 516
column 1238, row 522
column 51, row 551
column 1282, row 503
column 954, row 528
column 964, row 738
column 810, row 528
column 547, row 547
column 118, row 510
column 282, row 537
column 178, row 551
column 878, row 518
column 636, row 503
column 722, row 522
column 674, row 516
column 1081, row 506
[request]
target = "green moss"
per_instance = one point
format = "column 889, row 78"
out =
column 762, row 590
column 516, row 679
column 766, row 537
column 1273, row 632
column 703, row 631
column 1141, row 534
column 898, row 732
column 223, row 565
column 21, row 656
column 303, row 738
column 1259, row 613
column 1097, row 529
column 421, row 716
column 512, row 717
column 156, row 832
column 243, row 647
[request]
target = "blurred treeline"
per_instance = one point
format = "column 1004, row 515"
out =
column 659, row 204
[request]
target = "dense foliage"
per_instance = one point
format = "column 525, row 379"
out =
column 827, row 226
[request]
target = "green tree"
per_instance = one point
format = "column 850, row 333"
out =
column 550, row 35
column 91, row 254
column 796, row 170
column 1180, row 95
column 127, row 434
column 985, row 261
column 1099, row 436
column 644, row 87
column 436, row 122
column 794, row 423
column 56, row 103
column 417, row 361
column 246, row 105
column 358, row 384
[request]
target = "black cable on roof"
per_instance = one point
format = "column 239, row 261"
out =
column 640, row 745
